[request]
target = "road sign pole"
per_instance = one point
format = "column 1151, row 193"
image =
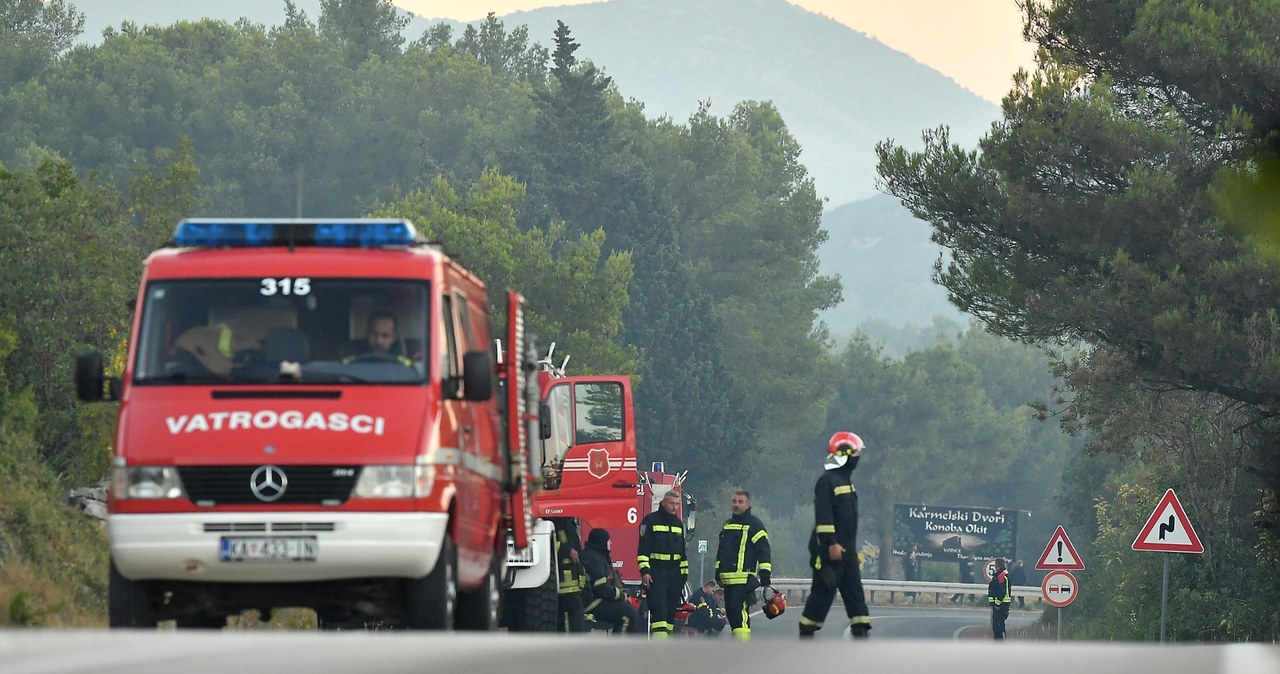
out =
column 702, row 556
column 1164, row 600
column 1059, row 624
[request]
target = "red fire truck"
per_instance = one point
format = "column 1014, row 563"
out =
column 308, row 418
column 588, row 466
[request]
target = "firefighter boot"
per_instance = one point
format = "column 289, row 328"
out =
column 808, row 627
column 859, row 626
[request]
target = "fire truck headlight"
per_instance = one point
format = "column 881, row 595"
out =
column 394, row 481
column 146, row 482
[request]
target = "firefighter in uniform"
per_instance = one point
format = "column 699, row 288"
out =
column 663, row 564
column 742, row 563
column 572, row 580
column 832, row 544
column 998, row 596
column 608, row 602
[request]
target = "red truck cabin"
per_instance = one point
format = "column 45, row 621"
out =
column 271, row 451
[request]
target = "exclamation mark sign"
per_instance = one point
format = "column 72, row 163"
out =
column 1059, row 551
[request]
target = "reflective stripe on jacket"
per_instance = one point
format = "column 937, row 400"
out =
column 600, row 575
column 743, row 549
column 662, row 543
column 998, row 590
column 567, row 540
column 835, row 512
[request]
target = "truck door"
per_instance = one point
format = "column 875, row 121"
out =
column 592, row 453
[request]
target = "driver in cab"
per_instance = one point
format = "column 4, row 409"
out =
column 381, row 341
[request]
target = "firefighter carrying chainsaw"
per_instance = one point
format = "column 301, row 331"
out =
column 664, row 567
column 832, row 551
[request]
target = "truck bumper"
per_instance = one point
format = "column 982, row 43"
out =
column 530, row 567
column 188, row 547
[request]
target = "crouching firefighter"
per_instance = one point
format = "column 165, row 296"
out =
column 608, row 603
column 832, row 546
column 742, row 563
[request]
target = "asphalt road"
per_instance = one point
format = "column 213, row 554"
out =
column 904, row 640
column 310, row 652
column 892, row 622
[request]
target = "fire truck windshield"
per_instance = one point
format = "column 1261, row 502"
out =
column 303, row 330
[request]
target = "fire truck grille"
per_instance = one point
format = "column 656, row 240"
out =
column 280, row 485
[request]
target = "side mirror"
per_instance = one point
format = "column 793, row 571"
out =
column 477, row 375
column 90, row 380
column 544, row 421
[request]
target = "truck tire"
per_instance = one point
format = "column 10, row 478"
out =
column 481, row 609
column 535, row 609
column 128, row 602
column 432, row 600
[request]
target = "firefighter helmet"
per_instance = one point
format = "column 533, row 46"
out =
column 843, row 446
column 775, row 604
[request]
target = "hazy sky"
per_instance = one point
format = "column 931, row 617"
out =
column 978, row 43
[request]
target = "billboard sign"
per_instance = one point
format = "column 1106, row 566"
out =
column 950, row 533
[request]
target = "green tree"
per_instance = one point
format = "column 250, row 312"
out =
column 506, row 54
column 575, row 292
column 941, row 429
column 747, row 227
column 65, row 287
column 364, row 29
column 1089, row 212
column 33, row 33
column 1105, row 210
column 568, row 158
column 688, row 411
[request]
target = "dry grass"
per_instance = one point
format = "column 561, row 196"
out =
column 53, row 558
column 283, row 619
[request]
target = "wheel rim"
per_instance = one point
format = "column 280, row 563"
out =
column 495, row 602
column 450, row 593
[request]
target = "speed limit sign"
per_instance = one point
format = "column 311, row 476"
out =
column 1059, row 588
column 990, row 569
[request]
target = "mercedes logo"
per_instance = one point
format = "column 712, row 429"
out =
column 268, row 483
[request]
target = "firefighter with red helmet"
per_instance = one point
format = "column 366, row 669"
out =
column 832, row 546
column 663, row 564
column 743, row 562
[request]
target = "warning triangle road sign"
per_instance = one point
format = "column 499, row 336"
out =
column 1168, row 529
column 1059, row 554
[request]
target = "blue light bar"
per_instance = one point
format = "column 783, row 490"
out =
column 237, row 233
column 215, row 234
column 368, row 234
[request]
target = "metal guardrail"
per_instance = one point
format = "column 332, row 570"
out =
column 801, row 585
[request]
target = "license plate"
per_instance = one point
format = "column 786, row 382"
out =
column 272, row 549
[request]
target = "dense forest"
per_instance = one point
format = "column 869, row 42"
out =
column 680, row 252
column 1127, row 204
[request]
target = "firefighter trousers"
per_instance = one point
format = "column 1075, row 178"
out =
column 663, row 599
column 736, row 598
column 620, row 614
column 570, row 607
column 828, row 578
column 999, row 614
